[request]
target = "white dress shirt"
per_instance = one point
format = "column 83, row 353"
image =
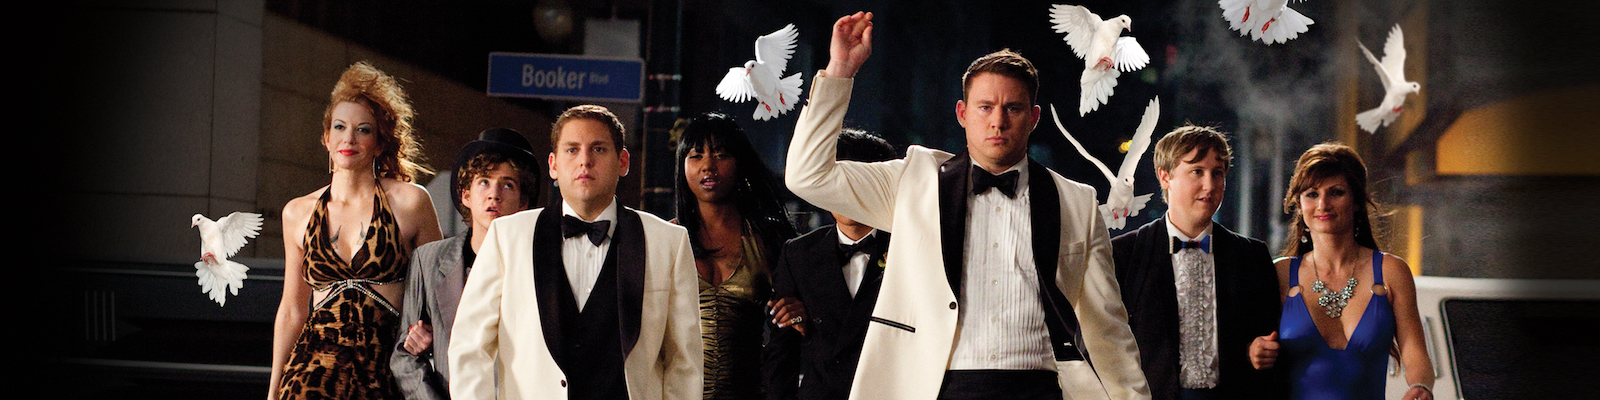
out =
column 1001, row 322
column 857, row 267
column 582, row 258
column 1194, row 273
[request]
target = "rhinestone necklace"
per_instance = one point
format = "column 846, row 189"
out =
column 1333, row 302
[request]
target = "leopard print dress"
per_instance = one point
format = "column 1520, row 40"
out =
column 343, row 350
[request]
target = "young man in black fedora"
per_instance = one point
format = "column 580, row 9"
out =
column 494, row 176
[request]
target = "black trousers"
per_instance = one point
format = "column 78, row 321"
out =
column 999, row 384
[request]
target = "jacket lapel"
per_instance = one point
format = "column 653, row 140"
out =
column 629, row 244
column 549, row 276
column 1044, row 212
column 450, row 281
column 953, row 188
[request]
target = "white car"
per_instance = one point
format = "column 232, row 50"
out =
column 1508, row 338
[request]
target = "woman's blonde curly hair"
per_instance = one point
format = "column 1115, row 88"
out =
column 401, row 154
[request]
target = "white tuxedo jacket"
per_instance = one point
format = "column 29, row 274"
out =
column 500, row 348
column 909, row 344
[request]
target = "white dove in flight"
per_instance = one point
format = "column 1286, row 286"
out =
column 759, row 78
column 1267, row 21
column 1392, row 72
column 218, row 241
column 1120, row 201
column 1105, row 53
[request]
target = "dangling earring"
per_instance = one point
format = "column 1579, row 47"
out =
column 330, row 165
column 1305, row 235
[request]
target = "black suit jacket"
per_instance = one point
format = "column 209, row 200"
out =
column 1247, row 307
column 809, row 270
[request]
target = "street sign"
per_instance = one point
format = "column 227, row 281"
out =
column 566, row 77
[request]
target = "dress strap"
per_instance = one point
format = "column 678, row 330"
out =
column 1377, row 267
column 1294, row 271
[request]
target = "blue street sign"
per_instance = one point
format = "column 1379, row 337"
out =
column 566, row 77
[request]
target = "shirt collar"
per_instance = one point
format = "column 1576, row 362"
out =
column 845, row 240
column 1172, row 230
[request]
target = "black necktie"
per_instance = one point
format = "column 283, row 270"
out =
column 1202, row 244
column 572, row 226
column 982, row 180
column 872, row 245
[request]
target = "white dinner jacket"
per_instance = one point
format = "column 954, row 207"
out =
column 499, row 348
column 909, row 344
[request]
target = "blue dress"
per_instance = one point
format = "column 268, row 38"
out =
column 1317, row 371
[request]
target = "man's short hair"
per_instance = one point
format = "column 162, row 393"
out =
column 594, row 113
column 1188, row 138
column 858, row 145
column 1005, row 63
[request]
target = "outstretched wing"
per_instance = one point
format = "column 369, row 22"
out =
column 774, row 49
column 735, row 86
column 1078, row 23
column 236, row 228
column 1141, row 139
column 1394, row 54
column 1383, row 76
column 1081, row 150
column 1128, row 55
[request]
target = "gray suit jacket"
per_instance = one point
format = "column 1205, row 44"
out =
column 433, row 289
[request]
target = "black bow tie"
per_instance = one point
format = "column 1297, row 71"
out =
column 982, row 180
column 872, row 245
column 1180, row 244
column 572, row 226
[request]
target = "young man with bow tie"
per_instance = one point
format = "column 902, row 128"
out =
column 835, row 271
column 1197, row 294
column 996, row 287
column 596, row 301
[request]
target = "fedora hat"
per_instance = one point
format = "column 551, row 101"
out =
column 498, row 140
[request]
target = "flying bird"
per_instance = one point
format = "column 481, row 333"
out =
column 218, row 241
column 1267, row 21
column 1392, row 72
column 758, row 78
column 1105, row 53
column 1120, row 201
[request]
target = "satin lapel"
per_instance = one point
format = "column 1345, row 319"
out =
column 1224, row 265
column 953, row 188
column 549, row 275
column 448, row 282
column 1044, row 212
column 1159, row 289
column 628, row 246
column 1044, row 209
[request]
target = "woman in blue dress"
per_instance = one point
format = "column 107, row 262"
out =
column 1347, row 306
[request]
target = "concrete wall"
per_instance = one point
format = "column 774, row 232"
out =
column 215, row 107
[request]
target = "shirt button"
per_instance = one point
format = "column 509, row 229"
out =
column 997, row 209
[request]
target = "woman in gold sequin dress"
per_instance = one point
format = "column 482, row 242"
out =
column 736, row 227
column 346, row 247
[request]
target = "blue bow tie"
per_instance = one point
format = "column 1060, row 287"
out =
column 1180, row 244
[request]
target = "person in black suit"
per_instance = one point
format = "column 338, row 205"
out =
column 1197, row 293
column 835, row 271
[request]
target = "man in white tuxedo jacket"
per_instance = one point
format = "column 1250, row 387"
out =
column 1020, row 299
column 592, row 301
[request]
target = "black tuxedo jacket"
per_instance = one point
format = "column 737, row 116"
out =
column 1247, row 307
column 809, row 270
